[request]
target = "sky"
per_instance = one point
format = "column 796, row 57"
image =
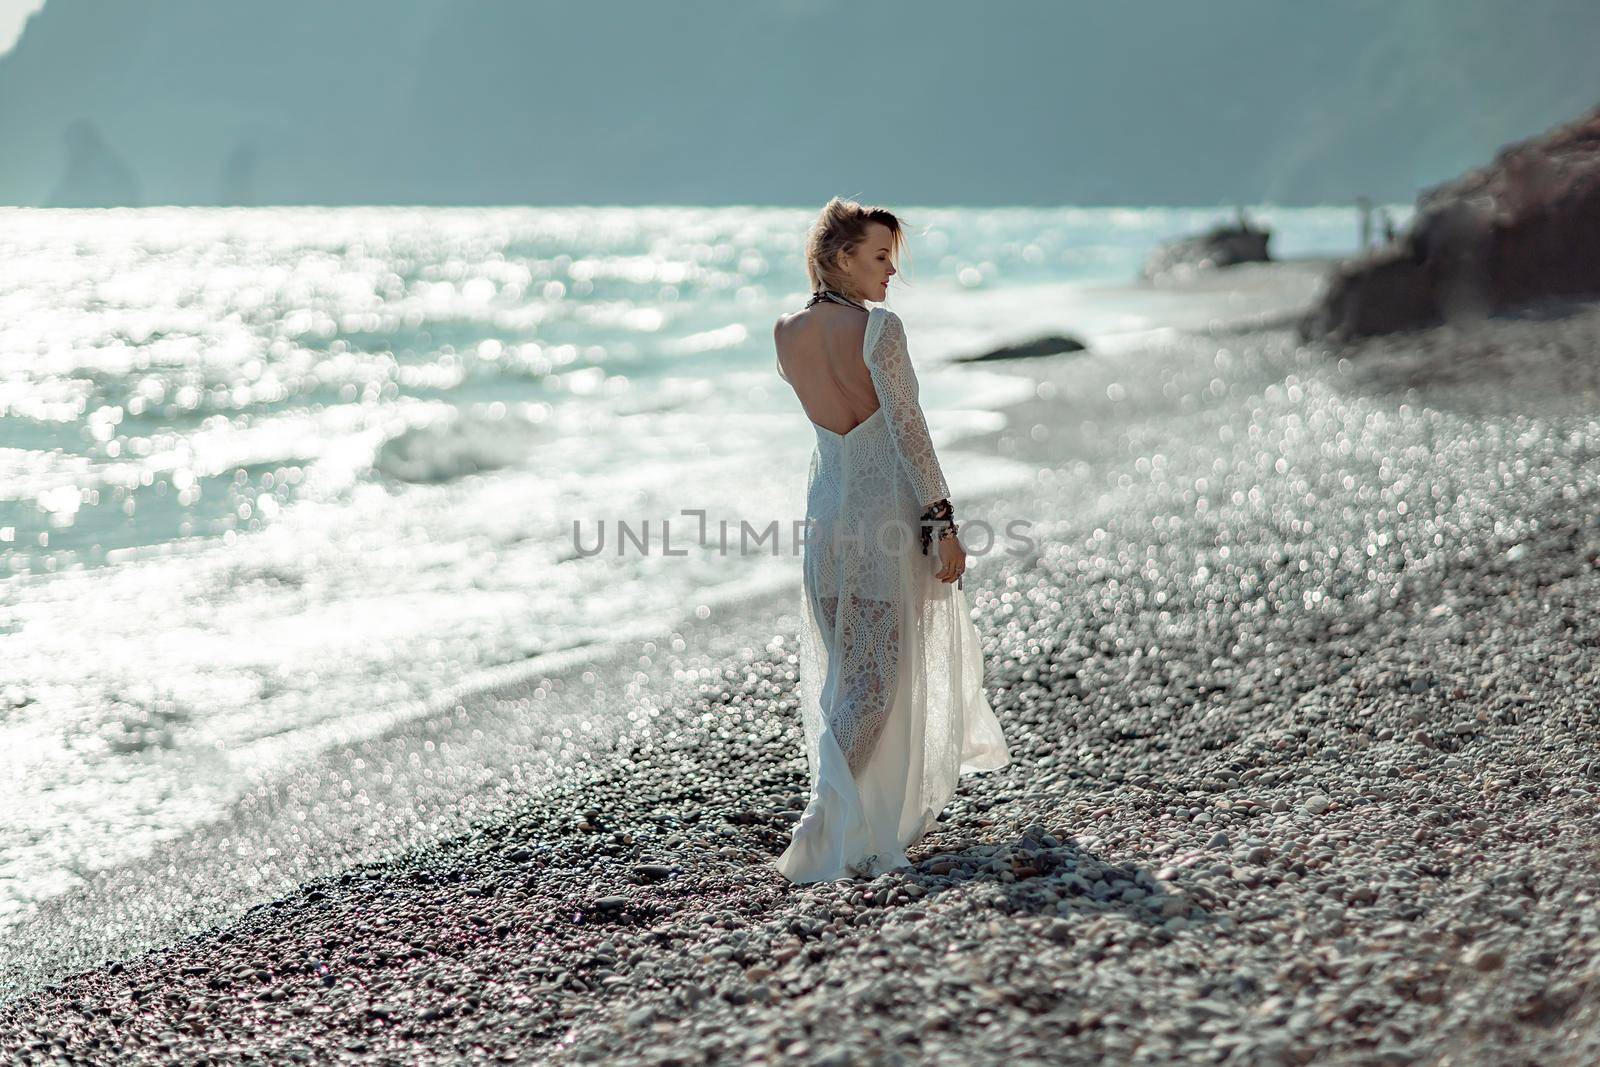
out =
column 13, row 13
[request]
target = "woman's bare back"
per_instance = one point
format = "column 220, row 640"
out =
column 819, row 355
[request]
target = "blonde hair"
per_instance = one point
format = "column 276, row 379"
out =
column 841, row 227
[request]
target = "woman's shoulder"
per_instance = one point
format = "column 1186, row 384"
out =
column 889, row 324
column 790, row 323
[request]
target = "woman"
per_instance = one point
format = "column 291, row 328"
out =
column 891, row 671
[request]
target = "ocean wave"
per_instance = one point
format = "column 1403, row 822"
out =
column 456, row 446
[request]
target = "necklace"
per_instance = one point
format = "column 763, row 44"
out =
column 829, row 294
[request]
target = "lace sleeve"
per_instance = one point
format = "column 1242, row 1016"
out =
column 896, row 385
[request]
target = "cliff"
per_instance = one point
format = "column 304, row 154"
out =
column 721, row 101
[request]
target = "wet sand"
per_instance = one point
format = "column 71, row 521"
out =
column 1302, row 685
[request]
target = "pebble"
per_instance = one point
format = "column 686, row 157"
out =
column 652, row 871
column 1485, row 958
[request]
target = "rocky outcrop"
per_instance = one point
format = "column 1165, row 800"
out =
column 1221, row 246
column 1522, row 228
column 94, row 175
column 1048, row 345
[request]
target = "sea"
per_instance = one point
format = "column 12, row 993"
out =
column 273, row 480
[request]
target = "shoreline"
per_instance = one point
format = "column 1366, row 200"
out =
column 1342, row 811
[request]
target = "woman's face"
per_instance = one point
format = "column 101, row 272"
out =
column 869, row 267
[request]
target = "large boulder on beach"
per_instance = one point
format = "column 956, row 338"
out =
column 1048, row 345
column 1221, row 246
column 1522, row 228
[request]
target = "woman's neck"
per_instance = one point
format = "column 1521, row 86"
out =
column 847, row 294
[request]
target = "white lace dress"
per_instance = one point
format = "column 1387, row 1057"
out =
column 891, row 670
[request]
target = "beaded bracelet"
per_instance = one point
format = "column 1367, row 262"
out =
column 940, row 511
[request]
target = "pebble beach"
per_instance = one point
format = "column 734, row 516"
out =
column 1301, row 682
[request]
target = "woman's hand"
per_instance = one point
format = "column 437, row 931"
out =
column 952, row 559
